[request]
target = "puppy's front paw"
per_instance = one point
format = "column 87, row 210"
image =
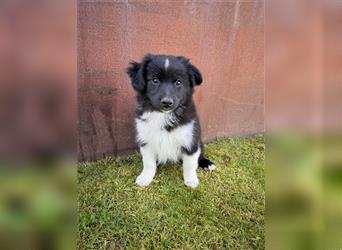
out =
column 143, row 180
column 191, row 182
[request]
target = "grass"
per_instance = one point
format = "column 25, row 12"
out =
column 225, row 212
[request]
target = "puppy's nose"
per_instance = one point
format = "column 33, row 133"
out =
column 167, row 102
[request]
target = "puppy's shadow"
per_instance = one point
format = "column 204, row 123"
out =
column 170, row 169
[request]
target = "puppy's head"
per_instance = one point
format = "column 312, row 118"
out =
column 166, row 81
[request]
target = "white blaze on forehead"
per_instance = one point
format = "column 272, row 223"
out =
column 167, row 63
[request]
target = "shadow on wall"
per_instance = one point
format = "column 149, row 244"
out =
column 224, row 40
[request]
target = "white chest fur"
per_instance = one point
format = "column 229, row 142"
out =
column 165, row 145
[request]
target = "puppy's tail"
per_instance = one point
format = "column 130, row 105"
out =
column 205, row 163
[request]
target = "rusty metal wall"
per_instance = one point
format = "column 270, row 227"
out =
column 225, row 40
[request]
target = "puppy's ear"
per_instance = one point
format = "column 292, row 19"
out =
column 194, row 73
column 136, row 72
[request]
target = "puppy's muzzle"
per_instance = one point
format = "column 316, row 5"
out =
column 167, row 103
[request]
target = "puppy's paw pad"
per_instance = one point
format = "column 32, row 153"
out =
column 211, row 167
column 143, row 180
column 193, row 183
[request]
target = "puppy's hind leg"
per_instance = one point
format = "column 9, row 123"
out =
column 150, row 167
column 204, row 162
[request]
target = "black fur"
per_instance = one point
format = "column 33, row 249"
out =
column 150, row 94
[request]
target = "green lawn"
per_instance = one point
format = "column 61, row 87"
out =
column 226, row 211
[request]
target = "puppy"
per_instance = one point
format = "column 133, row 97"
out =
column 167, row 124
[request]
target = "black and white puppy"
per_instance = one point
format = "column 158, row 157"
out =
column 167, row 125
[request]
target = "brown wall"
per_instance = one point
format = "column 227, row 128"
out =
column 225, row 40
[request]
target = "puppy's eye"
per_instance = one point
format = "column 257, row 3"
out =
column 155, row 80
column 178, row 83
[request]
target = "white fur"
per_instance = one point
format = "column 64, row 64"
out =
column 211, row 167
column 190, row 164
column 162, row 145
column 167, row 63
column 150, row 167
column 165, row 145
